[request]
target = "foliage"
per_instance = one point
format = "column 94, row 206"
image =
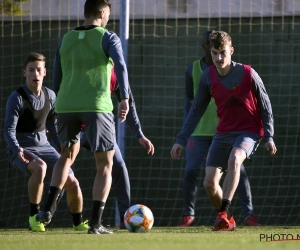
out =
column 12, row 7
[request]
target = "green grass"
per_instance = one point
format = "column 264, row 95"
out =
column 164, row 238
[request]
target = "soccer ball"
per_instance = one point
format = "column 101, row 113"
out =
column 138, row 218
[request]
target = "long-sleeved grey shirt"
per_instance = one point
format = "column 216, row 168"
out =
column 132, row 118
column 15, row 108
column 233, row 78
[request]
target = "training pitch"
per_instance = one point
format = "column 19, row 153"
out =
column 173, row 238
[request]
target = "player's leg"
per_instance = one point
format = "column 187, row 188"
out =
column 244, row 145
column 231, row 180
column 216, row 164
column 74, row 194
column 195, row 154
column 120, row 184
column 75, row 202
column 36, row 169
column 212, row 185
column 120, row 179
column 100, row 132
column 59, row 177
column 69, row 126
column 244, row 192
column 101, row 188
column 85, row 144
column 83, row 140
column 245, row 197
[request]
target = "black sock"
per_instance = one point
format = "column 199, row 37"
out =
column 53, row 195
column 121, row 218
column 225, row 205
column 34, row 209
column 97, row 211
column 77, row 219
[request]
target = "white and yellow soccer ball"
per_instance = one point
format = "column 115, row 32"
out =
column 138, row 218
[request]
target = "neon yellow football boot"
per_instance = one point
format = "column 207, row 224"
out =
column 83, row 226
column 35, row 225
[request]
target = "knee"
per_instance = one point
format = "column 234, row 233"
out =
column 72, row 184
column 38, row 169
column 209, row 184
column 71, row 152
column 234, row 163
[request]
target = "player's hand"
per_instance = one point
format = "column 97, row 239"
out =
column 147, row 145
column 123, row 109
column 176, row 151
column 21, row 155
column 270, row 146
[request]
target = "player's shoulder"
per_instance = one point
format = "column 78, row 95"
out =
column 206, row 72
column 14, row 99
column 189, row 68
column 111, row 35
column 240, row 67
column 19, row 92
column 194, row 63
column 15, row 94
column 50, row 92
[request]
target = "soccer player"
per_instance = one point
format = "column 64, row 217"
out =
column 83, row 62
column 120, row 178
column 29, row 112
column 199, row 142
column 245, row 116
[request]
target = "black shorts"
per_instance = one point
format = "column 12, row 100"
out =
column 99, row 128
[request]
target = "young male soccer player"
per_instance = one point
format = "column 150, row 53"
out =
column 245, row 116
column 120, row 178
column 83, row 60
column 29, row 112
column 199, row 142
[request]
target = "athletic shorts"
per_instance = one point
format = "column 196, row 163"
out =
column 196, row 151
column 222, row 145
column 99, row 128
column 47, row 153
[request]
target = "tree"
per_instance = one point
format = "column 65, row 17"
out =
column 12, row 7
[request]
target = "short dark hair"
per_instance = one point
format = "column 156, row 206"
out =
column 206, row 37
column 219, row 39
column 92, row 7
column 33, row 57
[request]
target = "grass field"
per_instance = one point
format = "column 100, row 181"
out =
column 164, row 238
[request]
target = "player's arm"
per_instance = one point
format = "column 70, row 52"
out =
column 134, row 123
column 112, row 47
column 197, row 110
column 265, row 106
column 266, row 111
column 189, row 91
column 188, row 101
column 57, row 72
column 13, row 110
